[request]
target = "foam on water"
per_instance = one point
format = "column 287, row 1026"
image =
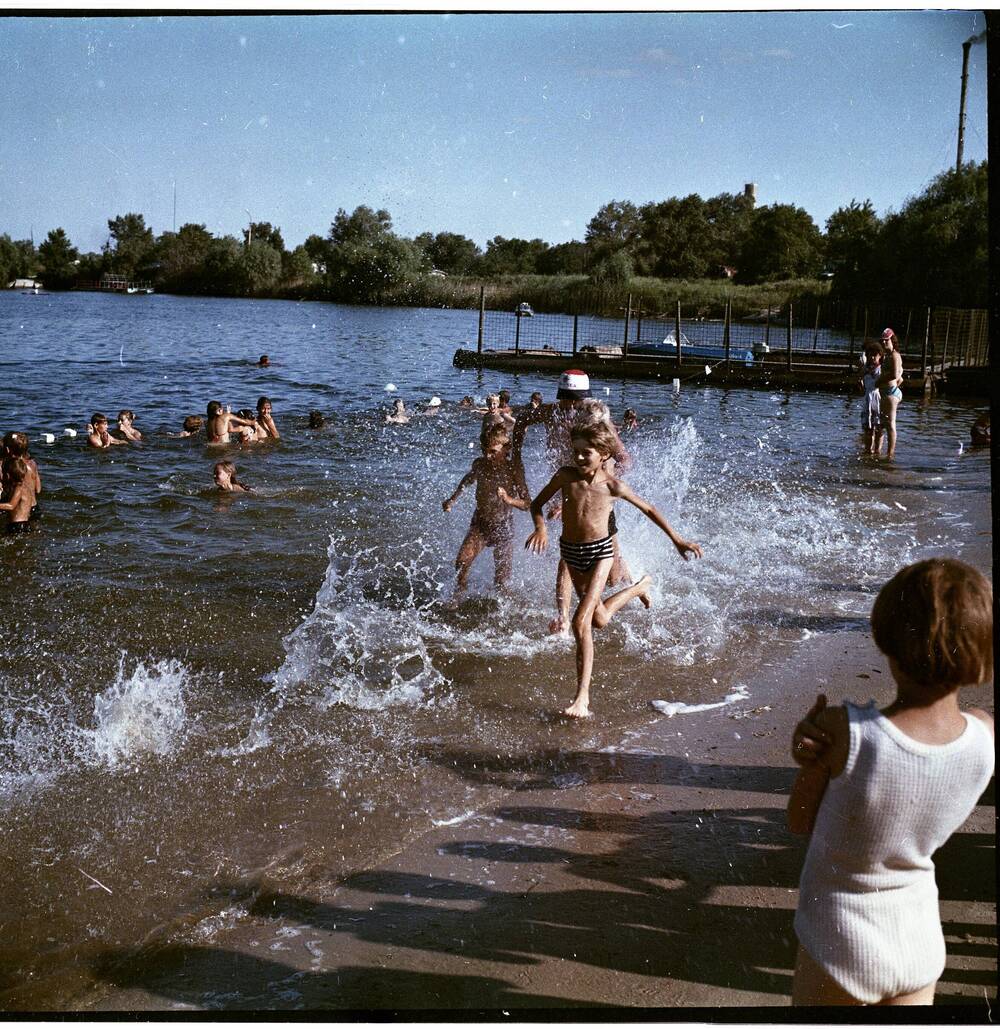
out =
column 140, row 715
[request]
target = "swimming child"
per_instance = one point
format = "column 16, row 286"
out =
column 889, row 789
column 495, row 416
column 266, row 419
column 221, row 422
column 629, row 420
column 466, row 401
column 399, row 416
column 126, row 428
column 20, row 484
column 98, row 435
column 253, row 433
column 499, row 487
column 264, row 362
column 588, row 494
column 225, row 478
column 192, row 426
column 871, row 413
column 535, row 401
column 316, row 420
column 504, row 397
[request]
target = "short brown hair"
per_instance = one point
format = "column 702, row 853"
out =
column 16, row 444
column 599, row 435
column 495, row 434
column 192, row 423
column 15, row 469
column 935, row 619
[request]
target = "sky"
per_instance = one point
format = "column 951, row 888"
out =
column 510, row 124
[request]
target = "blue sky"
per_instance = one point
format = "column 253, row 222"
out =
column 503, row 124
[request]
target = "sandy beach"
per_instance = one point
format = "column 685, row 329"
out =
column 657, row 875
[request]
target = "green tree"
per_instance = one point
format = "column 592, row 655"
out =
column 672, row 239
column 263, row 232
column 181, row 258
column 260, row 268
column 130, row 246
column 616, row 226
column 17, row 259
column 365, row 257
column 297, row 267
column 512, row 256
column 570, row 258
column 783, row 242
column 223, row 274
column 728, row 217
column 449, row 251
column 936, row 249
column 613, row 270
column 851, row 236
column 57, row 261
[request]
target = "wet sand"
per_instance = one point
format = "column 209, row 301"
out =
column 660, row 875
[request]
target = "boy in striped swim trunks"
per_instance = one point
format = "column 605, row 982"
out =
column 588, row 494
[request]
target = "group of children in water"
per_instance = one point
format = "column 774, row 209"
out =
column 878, row 791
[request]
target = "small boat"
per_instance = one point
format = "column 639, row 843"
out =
column 139, row 289
column 523, row 310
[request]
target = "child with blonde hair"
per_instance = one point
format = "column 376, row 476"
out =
column 225, row 478
column 888, row 790
column 586, row 545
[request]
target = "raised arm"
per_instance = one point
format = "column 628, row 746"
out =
column 539, row 539
column 684, row 547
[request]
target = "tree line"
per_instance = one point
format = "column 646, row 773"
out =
column 933, row 250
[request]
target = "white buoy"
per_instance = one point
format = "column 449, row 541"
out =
column 607, row 391
column 434, row 402
column 677, row 385
column 960, row 446
column 48, row 437
column 708, row 369
column 69, row 432
column 390, row 387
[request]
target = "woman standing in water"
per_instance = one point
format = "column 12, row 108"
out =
column 889, row 383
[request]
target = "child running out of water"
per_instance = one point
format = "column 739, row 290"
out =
column 225, row 478
column 871, row 409
column 588, row 494
column 499, row 487
column 888, row 790
column 20, row 484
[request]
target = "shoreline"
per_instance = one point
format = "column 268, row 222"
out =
column 631, row 881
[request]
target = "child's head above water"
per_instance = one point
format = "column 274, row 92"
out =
column 15, row 470
column 225, row 473
column 214, row 409
column 15, row 444
column 934, row 619
column 316, row 420
column 126, row 415
column 495, row 439
column 192, row 423
column 97, row 420
column 504, row 396
column 536, row 399
column 263, row 405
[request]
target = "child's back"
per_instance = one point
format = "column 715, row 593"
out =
column 897, row 800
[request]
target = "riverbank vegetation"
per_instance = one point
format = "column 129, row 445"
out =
column 701, row 252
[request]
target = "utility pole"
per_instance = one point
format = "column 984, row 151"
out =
column 966, row 47
column 250, row 230
column 175, row 206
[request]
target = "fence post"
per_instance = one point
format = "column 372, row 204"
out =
column 816, row 328
column 850, row 345
column 944, row 351
column 788, row 351
column 933, row 342
column 725, row 331
column 767, row 328
column 677, row 333
column 909, row 319
column 576, row 321
column 864, row 335
column 482, row 317
column 517, row 332
column 638, row 322
column 628, row 318
column 927, row 338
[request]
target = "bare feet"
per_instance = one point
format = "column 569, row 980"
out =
column 559, row 627
column 578, row 709
column 644, row 596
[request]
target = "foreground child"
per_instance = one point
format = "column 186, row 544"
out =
column 871, row 409
column 889, row 789
column 225, row 479
column 499, row 486
column 586, row 545
column 20, row 485
column 15, row 446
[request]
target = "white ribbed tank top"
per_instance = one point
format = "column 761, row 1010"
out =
column 868, row 912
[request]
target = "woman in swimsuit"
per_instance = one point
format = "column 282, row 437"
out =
column 588, row 493
column 888, row 384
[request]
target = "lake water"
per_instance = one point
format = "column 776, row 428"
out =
column 203, row 694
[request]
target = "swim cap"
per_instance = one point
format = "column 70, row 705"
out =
column 887, row 334
column 573, row 385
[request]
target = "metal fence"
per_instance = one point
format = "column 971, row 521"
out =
column 818, row 333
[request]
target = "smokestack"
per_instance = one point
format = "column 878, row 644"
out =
column 966, row 47
column 750, row 192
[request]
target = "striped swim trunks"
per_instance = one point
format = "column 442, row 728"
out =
column 583, row 556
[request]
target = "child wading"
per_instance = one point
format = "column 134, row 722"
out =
column 887, row 791
column 586, row 545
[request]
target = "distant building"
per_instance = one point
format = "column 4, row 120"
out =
column 750, row 192
column 23, row 284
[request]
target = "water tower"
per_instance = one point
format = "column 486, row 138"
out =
column 750, row 192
